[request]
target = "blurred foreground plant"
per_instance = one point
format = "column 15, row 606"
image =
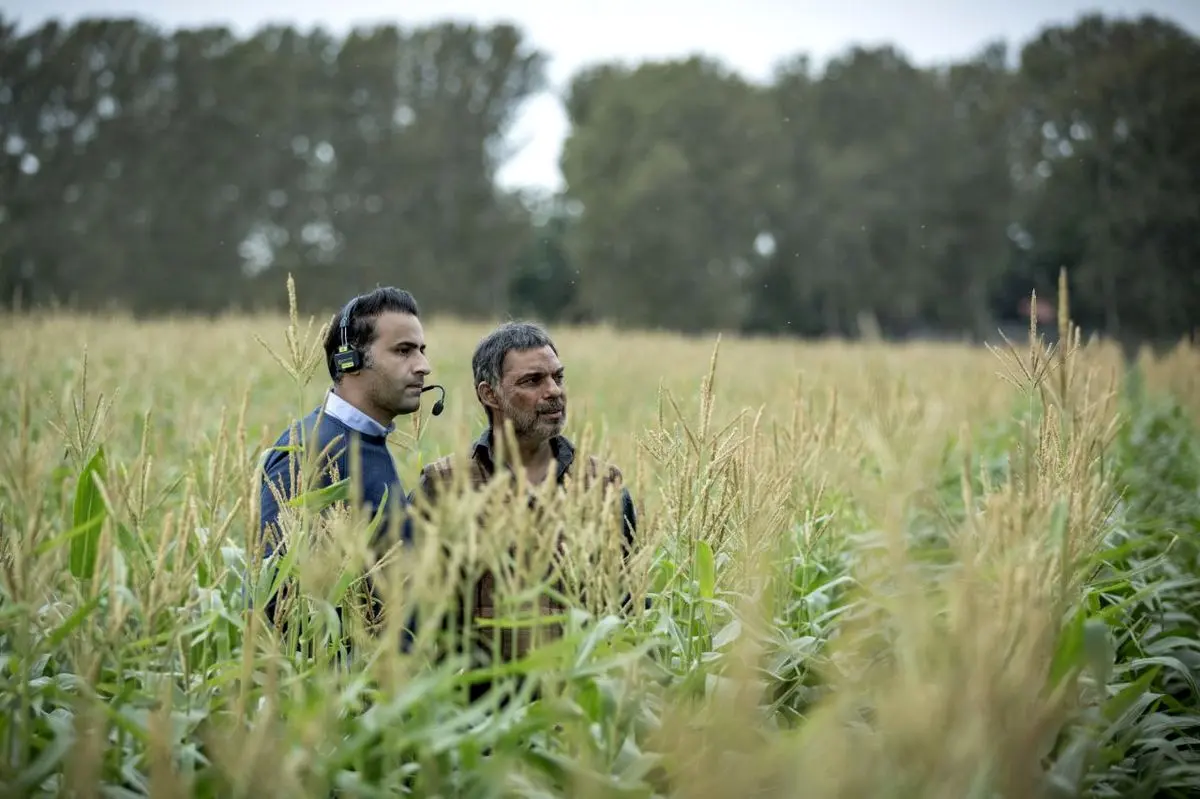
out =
column 840, row 603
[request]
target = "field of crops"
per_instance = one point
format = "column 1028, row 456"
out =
column 863, row 570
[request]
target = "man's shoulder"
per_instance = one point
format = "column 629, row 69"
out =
column 444, row 469
column 598, row 468
column 439, row 468
column 316, row 430
column 590, row 466
column 443, row 475
column 314, row 421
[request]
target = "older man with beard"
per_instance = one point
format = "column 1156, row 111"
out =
column 519, row 379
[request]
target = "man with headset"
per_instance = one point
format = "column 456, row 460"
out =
column 375, row 353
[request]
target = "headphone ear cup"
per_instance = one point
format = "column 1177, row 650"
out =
column 347, row 360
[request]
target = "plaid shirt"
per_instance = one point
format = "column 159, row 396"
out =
column 481, row 467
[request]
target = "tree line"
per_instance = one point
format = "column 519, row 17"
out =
column 189, row 170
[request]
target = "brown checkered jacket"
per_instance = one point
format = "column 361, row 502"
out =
column 481, row 468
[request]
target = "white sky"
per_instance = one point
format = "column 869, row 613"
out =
column 574, row 33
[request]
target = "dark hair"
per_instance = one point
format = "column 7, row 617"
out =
column 487, row 364
column 360, row 328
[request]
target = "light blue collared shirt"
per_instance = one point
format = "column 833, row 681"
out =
column 353, row 418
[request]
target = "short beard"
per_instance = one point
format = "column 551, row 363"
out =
column 530, row 427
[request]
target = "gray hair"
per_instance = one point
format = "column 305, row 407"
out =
column 488, row 362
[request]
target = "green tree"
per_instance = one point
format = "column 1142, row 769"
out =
column 853, row 230
column 184, row 171
column 188, row 170
column 1110, row 169
column 545, row 284
column 672, row 164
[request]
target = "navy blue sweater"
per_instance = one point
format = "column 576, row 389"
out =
column 379, row 483
column 379, row 479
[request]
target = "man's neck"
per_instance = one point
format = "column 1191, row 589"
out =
column 536, row 457
column 354, row 401
column 367, row 408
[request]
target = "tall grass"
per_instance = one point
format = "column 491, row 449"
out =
column 861, row 570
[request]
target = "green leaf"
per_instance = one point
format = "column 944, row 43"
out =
column 1070, row 649
column 1098, row 649
column 706, row 571
column 70, row 623
column 68, row 537
column 1172, row 664
column 727, row 634
column 1065, row 776
column 52, row 757
column 600, row 632
column 1121, row 709
column 321, row 498
column 88, row 514
column 133, row 546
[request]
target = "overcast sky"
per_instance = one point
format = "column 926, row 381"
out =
column 574, row 33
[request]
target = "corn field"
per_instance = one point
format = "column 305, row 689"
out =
column 862, row 570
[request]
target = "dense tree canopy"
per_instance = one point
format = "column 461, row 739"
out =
column 189, row 170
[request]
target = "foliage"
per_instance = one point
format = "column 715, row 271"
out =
column 156, row 172
column 885, row 582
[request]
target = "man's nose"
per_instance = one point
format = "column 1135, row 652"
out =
column 423, row 366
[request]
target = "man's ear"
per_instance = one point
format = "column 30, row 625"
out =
column 487, row 395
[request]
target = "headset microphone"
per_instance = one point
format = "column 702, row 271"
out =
column 440, row 405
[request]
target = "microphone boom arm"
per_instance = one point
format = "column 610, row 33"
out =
column 440, row 405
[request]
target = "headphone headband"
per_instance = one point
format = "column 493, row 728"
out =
column 345, row 324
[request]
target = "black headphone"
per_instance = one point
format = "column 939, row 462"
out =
column 347, row 359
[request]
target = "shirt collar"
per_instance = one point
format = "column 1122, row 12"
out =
column 563, row 449
column 353, row 418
